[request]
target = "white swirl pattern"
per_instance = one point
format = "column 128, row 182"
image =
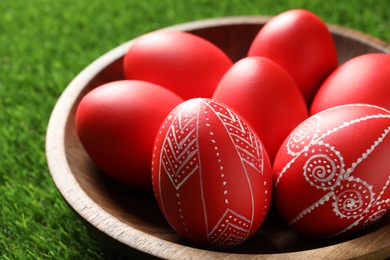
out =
column 324, row 167
column 303, row 135
column 352, row 198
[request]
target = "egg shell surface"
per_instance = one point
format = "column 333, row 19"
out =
column 211, row 177
column 117, row 123
column 267, row 96
column 363, row 79
column 182, row 62
column 332, row 172
column 301, row 43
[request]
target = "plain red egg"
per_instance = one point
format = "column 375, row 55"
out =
column 363, row 79
column 182, row 62
column 332, row 173
column 301, row 43
column 211, row 176
column 117, row 123
column 267, row 96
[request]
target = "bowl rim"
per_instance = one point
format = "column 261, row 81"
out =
column 129, row 236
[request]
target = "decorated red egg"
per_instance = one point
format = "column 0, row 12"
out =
column 363, row 79
column 211, row 176
column 301, row 43
column 117, row 123
column 267, row 96
column 332, row 174
column 184, row 63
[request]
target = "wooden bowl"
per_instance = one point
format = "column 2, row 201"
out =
column 130, row 220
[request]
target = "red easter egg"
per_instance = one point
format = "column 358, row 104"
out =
column 182, row 62
column 363, row 79
column 117, row 123
column 301, row 43
column 211, row 176
column 332, row 173
column 267, row 96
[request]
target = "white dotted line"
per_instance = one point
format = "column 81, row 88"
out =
column 224, row 183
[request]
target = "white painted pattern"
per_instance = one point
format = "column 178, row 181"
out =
column 351, row 198
column 180, row 158
column 304, row 135
column 318, row 140
column 180, row 152
column 231, row 230
column 250, row 152
column 248, row 146
column 324, row 167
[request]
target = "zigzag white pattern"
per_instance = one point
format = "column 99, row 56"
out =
column 180, row 150
column 248, row 147
column 220, row 235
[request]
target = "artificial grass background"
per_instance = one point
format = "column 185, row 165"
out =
column 46, row 43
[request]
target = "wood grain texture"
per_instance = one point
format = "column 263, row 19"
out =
column 130, row 220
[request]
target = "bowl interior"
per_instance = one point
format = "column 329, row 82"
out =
column 137, row 210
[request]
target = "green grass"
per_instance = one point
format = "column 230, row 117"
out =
column 43, row 45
